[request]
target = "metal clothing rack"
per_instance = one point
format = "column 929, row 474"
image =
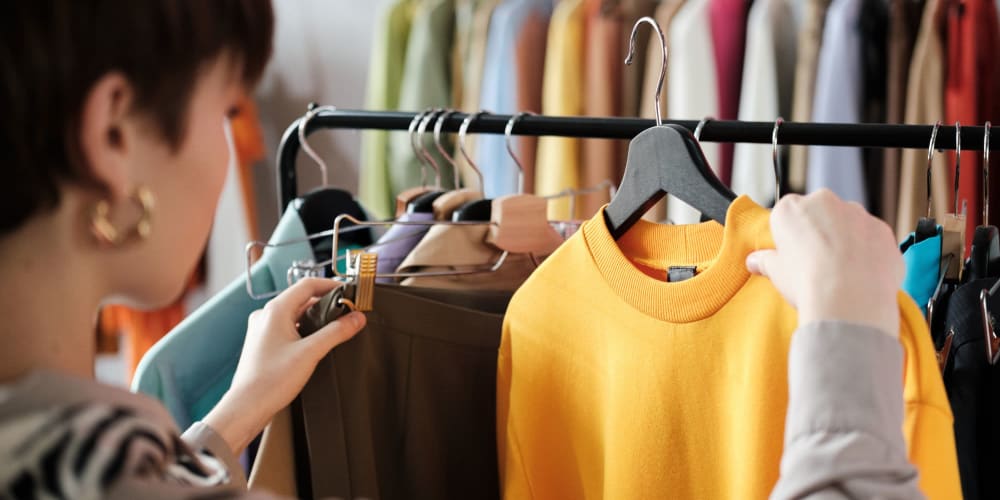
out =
column 869, row 135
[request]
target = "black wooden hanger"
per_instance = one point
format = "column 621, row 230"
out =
column 984, row 254
column 478, row 210
column 664, row 159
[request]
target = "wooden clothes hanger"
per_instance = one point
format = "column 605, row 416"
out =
column 520, row 222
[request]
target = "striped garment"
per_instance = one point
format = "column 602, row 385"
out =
column 82, row 450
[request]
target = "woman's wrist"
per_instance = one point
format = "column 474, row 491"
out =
column 237, row 421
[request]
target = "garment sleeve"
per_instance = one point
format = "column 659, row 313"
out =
column 214, row 454
column 843, row 429
column 202, row 438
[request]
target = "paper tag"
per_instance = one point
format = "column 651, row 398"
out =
column 680, row 273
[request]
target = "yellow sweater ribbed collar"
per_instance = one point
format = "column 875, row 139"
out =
column 718, row 252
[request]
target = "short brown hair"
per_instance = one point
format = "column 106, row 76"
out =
column 53, row 51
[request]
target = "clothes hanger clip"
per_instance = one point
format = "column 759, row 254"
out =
column 361, row 266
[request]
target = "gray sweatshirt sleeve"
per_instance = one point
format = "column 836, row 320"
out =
column 843, row 429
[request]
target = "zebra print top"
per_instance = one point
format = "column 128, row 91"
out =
column 68, row 438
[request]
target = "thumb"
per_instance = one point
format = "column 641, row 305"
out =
column 335, row 333
column 762, row 262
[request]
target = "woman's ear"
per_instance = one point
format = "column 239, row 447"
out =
column 107, row 135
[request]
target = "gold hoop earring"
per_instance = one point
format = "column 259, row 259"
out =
column 106, row 232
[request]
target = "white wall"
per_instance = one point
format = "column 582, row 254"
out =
column 321, row 50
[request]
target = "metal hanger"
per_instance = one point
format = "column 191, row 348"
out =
column 958, row 161
column 424, row 203
column 298, row 269
column 986, row 173
column 422, row 152
column 664, row 159
column 927, row 226
column 701, row 126
column 479, row 210
column 984, row 254
column 310, row 113
column 438, row 126
column 353, row 255
column 462, row 131
column 318, row 206
column 573, row 193
column 989, row 331
column 776, row 159
column 447, row 204
column 408, row 195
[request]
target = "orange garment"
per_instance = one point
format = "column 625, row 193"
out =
column 614, row 383
column 142, row 329
column 248, row 140
column 971, row 92
column 603, row 95
column 530, row 57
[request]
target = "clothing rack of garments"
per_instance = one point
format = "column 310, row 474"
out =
column 870, row 135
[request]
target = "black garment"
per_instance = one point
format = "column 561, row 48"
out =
column 972, row 385
column 874, row 55
column 407, row 408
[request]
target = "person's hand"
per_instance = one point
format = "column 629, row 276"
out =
column 833, row 261
column 276, row 362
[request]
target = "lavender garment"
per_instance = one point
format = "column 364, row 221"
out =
column 399, row 241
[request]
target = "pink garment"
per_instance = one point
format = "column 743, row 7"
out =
column 729, row 30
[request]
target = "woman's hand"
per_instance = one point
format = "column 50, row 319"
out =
column 833, row 261
column 276, row 362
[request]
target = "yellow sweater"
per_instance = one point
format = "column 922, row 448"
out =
column 613, row 383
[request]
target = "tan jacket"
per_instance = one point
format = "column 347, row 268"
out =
column 810, row 40
column 904, row 22
column 924, row 105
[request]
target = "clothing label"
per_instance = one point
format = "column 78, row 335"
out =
column 680, row 273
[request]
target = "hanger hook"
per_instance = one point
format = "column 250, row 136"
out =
column 776, row 158
column 663, row 63
column 958, row 159
column 438, row 126
column 462, row 131
column 508, row 131
column 701, row 126
column 421, row 130
column 986, row 173
column 312, row 111
column 930, row 157
column 412, row 130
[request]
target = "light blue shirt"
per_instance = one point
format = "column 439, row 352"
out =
column 838, row 99
column 499, row 90
column 192, row 366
